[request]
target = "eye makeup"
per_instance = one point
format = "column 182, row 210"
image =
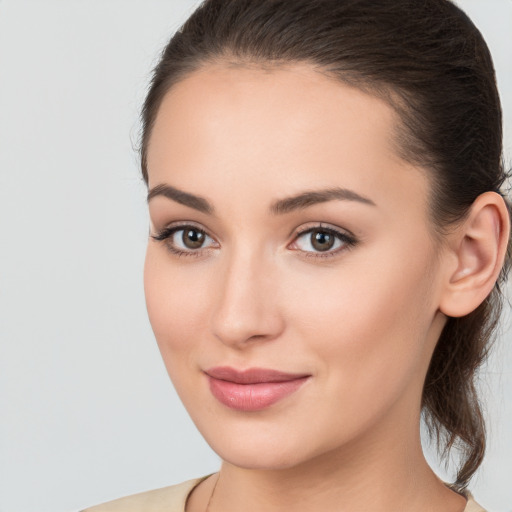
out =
column 191, row 234
column 187, row 239
column 321, row 235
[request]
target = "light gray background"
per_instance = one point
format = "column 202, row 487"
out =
column 87, row 411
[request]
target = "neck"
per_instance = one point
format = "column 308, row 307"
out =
column 373, row 473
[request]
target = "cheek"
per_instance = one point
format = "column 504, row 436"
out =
column 368, row 324
column 175, row 304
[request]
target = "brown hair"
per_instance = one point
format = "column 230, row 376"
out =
column 429, row 61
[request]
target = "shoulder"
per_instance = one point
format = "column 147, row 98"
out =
column 166, row 499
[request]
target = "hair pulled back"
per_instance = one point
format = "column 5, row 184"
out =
column 429, row 61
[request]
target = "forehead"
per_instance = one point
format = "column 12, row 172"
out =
column 285, row 98
column 287, row 127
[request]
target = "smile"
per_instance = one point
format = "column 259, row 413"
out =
column 253, row 389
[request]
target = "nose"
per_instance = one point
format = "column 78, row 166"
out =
column 246, row 309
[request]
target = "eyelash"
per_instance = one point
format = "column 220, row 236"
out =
column 348, row 240
column 166, row 233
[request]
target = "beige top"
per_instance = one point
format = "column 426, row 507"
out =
column 173, row 498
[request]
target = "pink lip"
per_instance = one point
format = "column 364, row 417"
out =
column 253, row 389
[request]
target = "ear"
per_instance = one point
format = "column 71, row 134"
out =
column 479, row 246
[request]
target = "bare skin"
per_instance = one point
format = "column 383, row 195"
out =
column 361, row 323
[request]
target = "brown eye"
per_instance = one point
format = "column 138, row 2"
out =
column 322, row 240
column 185, row 240
column 192, row 238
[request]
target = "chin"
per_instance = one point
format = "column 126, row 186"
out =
column 260, row 459
column 256, row 449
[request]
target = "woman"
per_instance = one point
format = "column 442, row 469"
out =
column 327, row 241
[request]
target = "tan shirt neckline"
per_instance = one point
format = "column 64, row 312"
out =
column 174, row 497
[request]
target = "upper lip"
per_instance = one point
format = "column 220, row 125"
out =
column 252, row 375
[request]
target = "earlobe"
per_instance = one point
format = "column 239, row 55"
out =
column 480, row 247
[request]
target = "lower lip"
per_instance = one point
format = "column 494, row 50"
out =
column 252, row 397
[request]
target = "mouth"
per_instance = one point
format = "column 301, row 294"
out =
column 253, row 389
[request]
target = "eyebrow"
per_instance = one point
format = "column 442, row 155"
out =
column 278, row 207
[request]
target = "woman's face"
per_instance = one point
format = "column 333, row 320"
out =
column 288, row 236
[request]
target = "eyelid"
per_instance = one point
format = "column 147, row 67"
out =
column 311, row 226
column 182, row 224
column 346, row 237
column 166, row 233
